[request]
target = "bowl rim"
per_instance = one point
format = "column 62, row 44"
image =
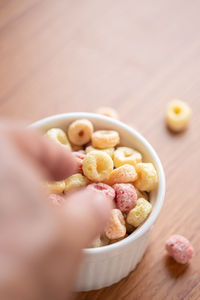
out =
column 161, row 185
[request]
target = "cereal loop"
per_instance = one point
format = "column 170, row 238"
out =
column 139, row 213
column 108, row 112
column 105, row 139
column 59, row 136
column 74, row 182
column 103, row 188
column 125, row 155
column 147, row 177
column 80, row 132
column 56, row 187
column 178, row 115
column 97, row 165
column 116, row 228
column 123, row 174
column 109, row 151
column 125, row 196
column 179, row 248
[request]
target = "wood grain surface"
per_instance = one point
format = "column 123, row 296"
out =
column 62, row 56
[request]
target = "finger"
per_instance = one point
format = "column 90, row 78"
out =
column 56, row 161
column 86, row 214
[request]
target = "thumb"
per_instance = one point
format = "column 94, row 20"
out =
column 86, row 214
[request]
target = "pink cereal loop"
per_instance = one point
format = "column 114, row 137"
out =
column 179, row 248
column 125, row 196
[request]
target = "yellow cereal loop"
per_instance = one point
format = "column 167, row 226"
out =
column 178, row 115
column 56, row 187
column 116, row 228
column 75, row 181
column 108, row 112
column 80, row 132
column 59, row 136
column 147, row 177
column 123, row 174
column 109, row 151
column 105, row 139
column 125, row 155
column 97, row 165
column 139, row 213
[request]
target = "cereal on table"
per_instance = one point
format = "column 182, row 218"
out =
column 105, row 166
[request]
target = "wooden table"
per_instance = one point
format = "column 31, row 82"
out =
column 61, row 56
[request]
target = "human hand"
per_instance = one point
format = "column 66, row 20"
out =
column 40, row 247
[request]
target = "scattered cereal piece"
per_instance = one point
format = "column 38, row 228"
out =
column 79, row 160
column 109, row 151
column 125, row 155
column 139, row 213
column 80, row 132
column 179, row 248
column 147, row 177
column 125, row 196
column 107, row 190
column 56, row 187
column 59, row 136
column 108, row 112
column 123, row 174
column 105, row 139
column 116, row 228
column 75, row 181
column 178, row 115
column 97, row 165
column 56, row 200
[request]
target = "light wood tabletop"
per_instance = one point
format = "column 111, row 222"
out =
column 63, row 56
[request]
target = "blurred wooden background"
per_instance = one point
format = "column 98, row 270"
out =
column 62, row 56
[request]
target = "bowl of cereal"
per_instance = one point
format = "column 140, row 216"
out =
column 116, row 160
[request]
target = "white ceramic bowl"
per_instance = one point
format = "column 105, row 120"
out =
column 104, row 266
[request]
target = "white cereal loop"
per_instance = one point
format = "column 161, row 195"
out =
column 59, row 136
column 80, row 132
column 126, row 155
column 105, row 139
column 97, row 165
column 178, row 115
